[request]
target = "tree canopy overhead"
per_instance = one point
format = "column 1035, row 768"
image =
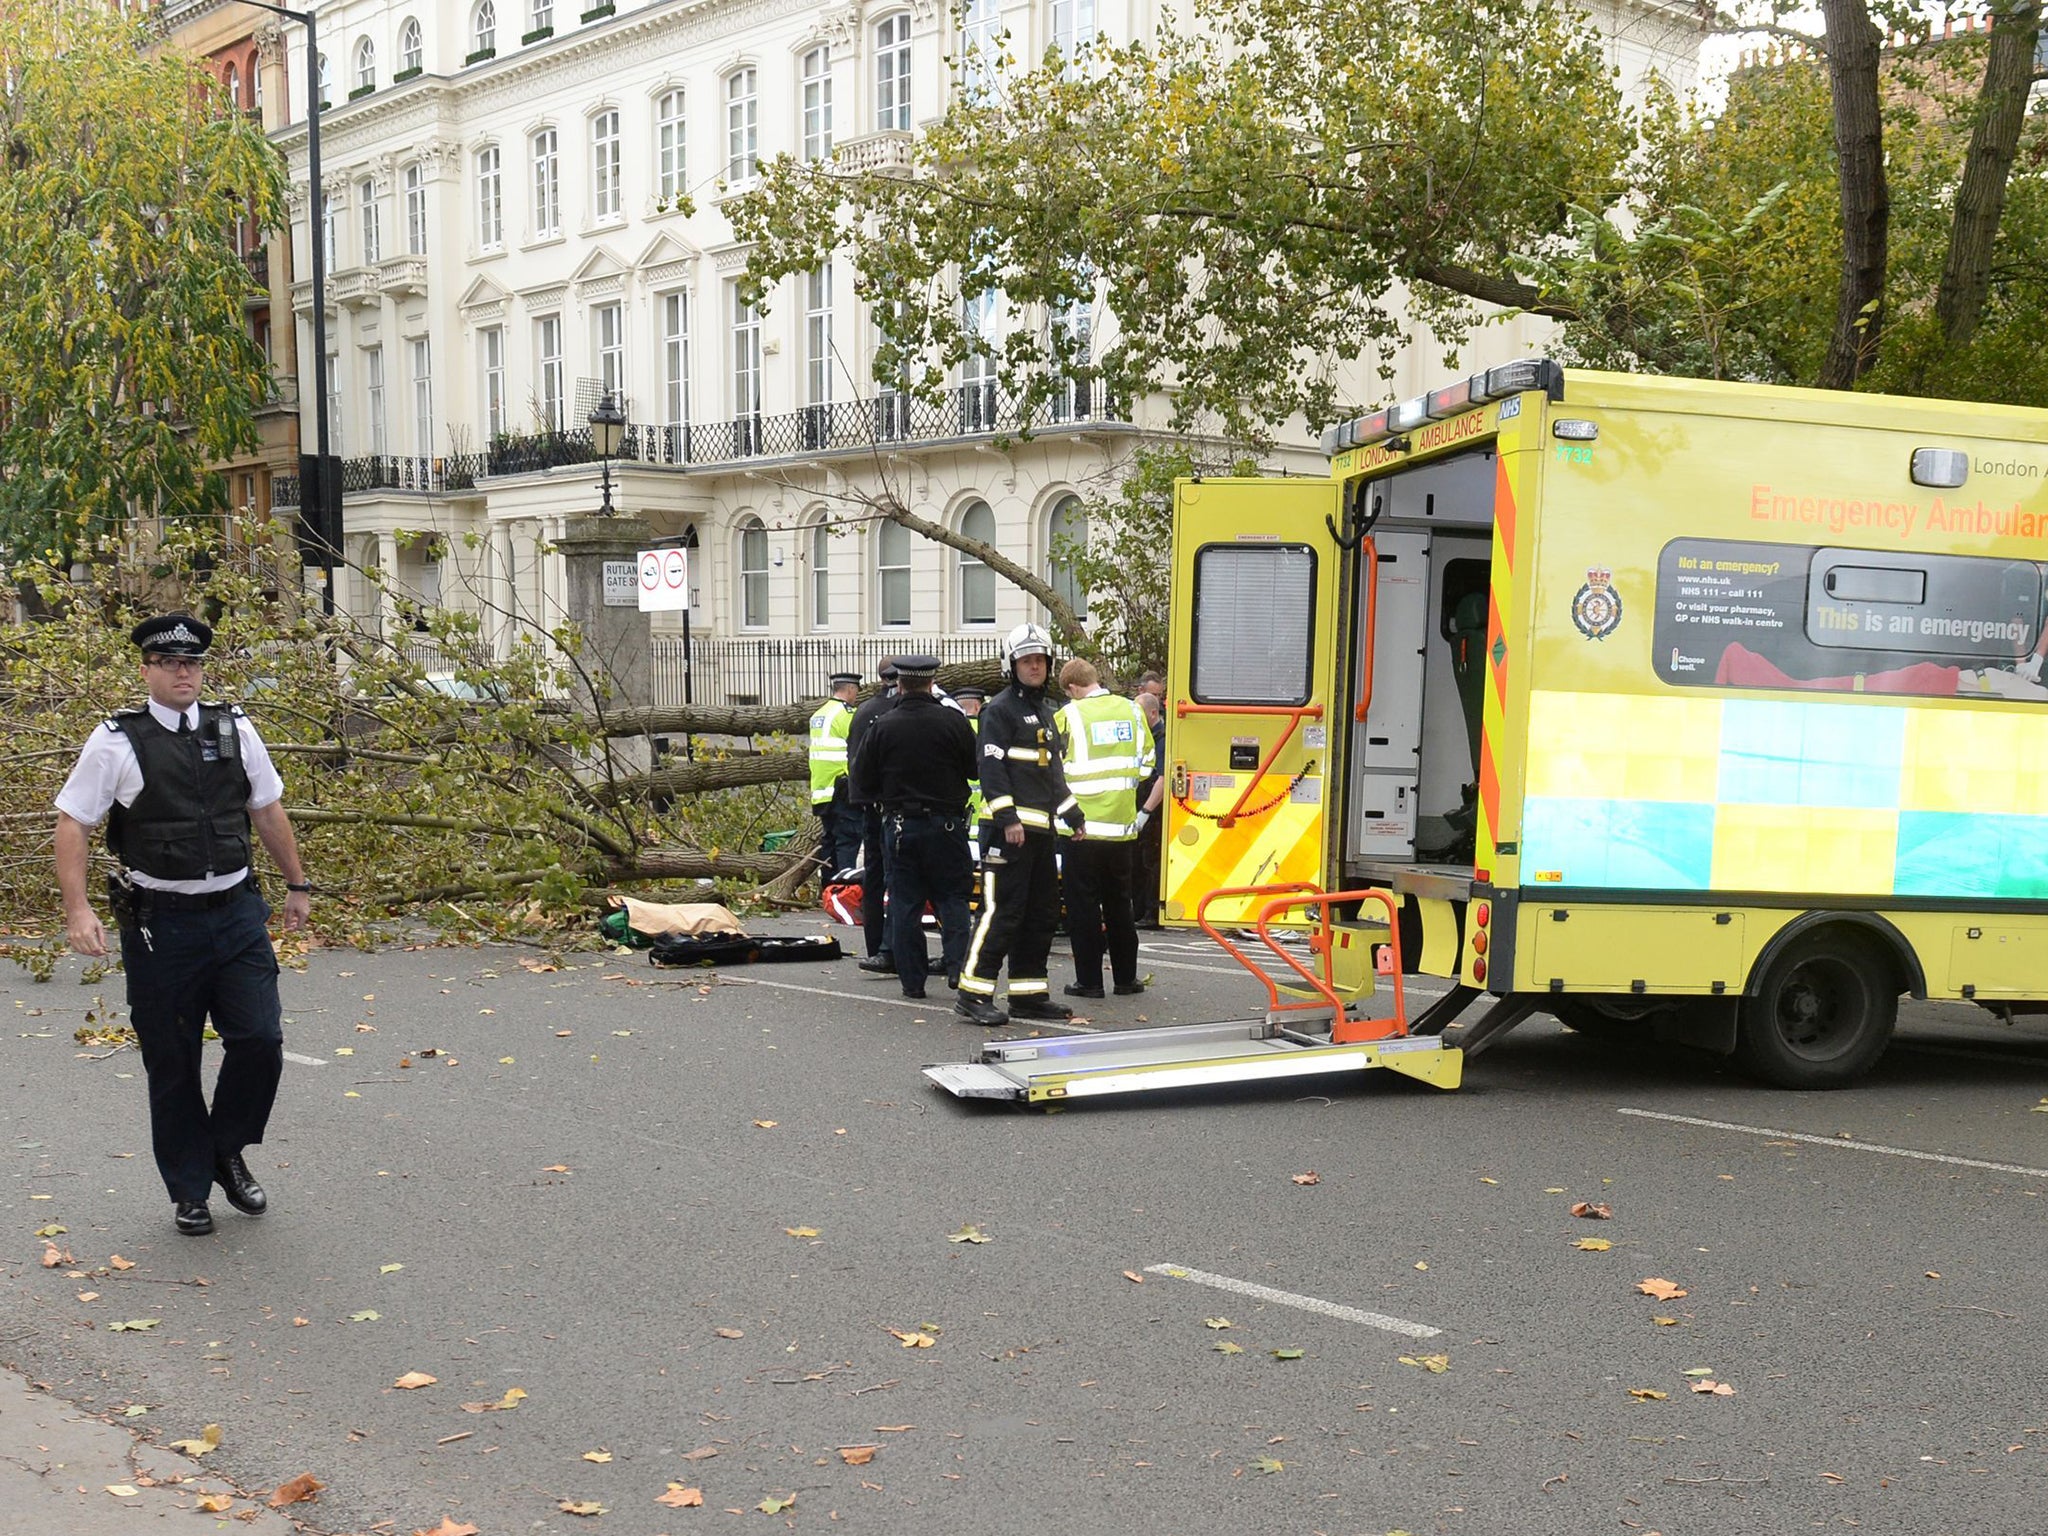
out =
column 1248, row 199
column 126, row 363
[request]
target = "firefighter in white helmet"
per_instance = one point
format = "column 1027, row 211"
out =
column 1024, row 790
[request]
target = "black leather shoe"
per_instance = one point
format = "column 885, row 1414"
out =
column 1039, row 1008
column 193, row 1218
column 975, row 1011
column 1129, row 988
column 243, row 1192
column 917, row 996
column 1075, row 989
column 879, row 965
column 953, row 980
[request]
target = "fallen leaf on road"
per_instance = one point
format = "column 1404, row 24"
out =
column 584, row 1507
column 556, row 1168
column 1134, row 1277
column 51, row 1231
column 123, row 1491
column 1225, row 1347
column 1285, row 1354
column 679, row 1497
column 134, row 1325
column 702, row 1453
column 774, row 1506
column 1268, row 1465
column 600, row 1457
column 729, row 1333
column 115, row 1261
column 1593, row 1244
column 1717, row 1388
column 1436, row 1365
column 1663, row 1290
column 1216, row 1322
column 88, row 1295
column 894, row 1429
column 448, row 1527
column 218, row 1503
column 1648, row 1394
column 801, row 1231
column 364, row 1316
column 1586, row 1208
column 968, row 1234
column 388, row 1269
column 1699, row 1370
column 209, row 1440
column 53, row 1256
column 1311, row 1177
column 911, row 1339
column 1665, row 1322
column 858, row 1455
column 134, row 1411
column 767, row 1125
column 297, row 1491
column 513, row 1397
column 413, row 1380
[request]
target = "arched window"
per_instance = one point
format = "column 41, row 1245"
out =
column 817, row 102
column 483, row 32
column 490, row 199
column 892, row 72
column 547, row 184
column 1065, row 529
column 366, row 65
column 672, row 174
column 543, row 17
column 980, row 47
column 233, row 81
column 326, row 85
column 753, row 592
column 604, row 165
column 977, row 581
column 821, row 575
column 892, row 573
column 412, row 52
column 742, row 126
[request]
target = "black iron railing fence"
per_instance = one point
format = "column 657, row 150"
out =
column 740, row 670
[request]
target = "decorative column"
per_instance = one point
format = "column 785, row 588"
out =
column 617, row 636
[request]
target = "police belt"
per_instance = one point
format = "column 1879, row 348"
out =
column 921, row 812
column 150, row 900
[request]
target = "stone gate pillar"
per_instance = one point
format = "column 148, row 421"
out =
column 601, row 594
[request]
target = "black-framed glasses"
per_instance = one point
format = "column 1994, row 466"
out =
column 178, row 663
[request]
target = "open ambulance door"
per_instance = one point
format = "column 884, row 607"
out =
column 1250, row 703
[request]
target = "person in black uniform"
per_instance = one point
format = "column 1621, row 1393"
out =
column 183, row 783
column 1151, row 840
column 1024, row 789
column 874, row 851
column 917, row 762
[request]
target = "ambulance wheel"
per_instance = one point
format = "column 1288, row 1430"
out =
column 1616, row 1020
column 1822, row 1014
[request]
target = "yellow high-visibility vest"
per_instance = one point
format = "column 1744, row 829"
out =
column 828, row 748
column 1108, row 755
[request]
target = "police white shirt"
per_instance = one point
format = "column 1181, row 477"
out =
column 108, row 771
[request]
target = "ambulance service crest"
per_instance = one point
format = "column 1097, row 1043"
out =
column 1597, row 607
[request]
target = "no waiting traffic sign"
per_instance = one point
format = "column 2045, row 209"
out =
column 664, row 580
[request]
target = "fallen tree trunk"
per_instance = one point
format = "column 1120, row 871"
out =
column 766, row 719
column 694, row 778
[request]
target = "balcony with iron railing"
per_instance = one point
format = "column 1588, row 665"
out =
column 968, row 411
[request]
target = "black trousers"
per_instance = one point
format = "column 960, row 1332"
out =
column 1097, row 876
column 1020, row 906
column 1145, row 853
column 928, row 862
column 192, row 965
column 874, row 881
column 840, row 838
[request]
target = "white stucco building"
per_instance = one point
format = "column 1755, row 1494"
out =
column 499, row 199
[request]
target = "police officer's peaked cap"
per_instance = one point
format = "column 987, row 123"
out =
column 917, row 666
column 970, row 691
column 844, row 680
column 172, row 634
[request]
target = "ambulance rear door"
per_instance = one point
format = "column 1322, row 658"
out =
column 1251, row 679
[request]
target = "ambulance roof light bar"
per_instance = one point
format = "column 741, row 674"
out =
column 1494, row 384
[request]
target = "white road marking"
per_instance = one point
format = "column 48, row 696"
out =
column 304, row 1061
column 1257, row 1292
column 1838, row 1141
column 929, row 1004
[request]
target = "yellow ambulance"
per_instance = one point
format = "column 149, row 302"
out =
column 1715, row 710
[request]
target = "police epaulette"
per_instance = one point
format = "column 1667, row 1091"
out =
column 233, row 709
column 113, row 721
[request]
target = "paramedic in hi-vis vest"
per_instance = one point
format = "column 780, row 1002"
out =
column 1108, row 745
column 839, row 839
column 1025, row 793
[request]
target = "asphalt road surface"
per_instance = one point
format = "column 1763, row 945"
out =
column 705, row 1223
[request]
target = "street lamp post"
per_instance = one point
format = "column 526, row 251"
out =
column 607, row 426
column 316, row 225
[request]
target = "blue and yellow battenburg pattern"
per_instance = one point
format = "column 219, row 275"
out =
column 1731, row 794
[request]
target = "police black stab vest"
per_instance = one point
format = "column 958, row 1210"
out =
column 192, row 818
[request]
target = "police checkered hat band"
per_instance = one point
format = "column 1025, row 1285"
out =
column 172, row 634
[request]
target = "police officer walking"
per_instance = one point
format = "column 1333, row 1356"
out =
column 183, row 782
column 917, row 762
column 1108, row 755
column 839, row 836
column 1025, row 792
column 874, row 853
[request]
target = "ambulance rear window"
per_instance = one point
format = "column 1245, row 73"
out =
column 1254, row 623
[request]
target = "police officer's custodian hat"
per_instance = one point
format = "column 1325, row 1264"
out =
column 172, row 634
column 970, row 691
column 917, row 666
column 843, row 680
